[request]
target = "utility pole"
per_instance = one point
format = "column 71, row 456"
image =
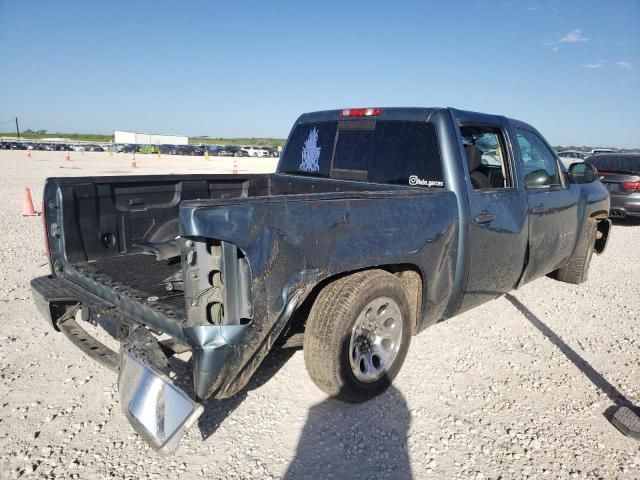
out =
column 17, row 128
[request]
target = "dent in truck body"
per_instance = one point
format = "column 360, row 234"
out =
column 322, row 235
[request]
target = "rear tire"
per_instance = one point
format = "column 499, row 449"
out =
column 357, row 335
column 576, row 270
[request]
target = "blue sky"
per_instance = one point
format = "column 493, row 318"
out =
column 570, row 68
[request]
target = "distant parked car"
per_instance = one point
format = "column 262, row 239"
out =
column 255, row 151
column 198, row 150
column 228, row 151
column 567, row 157
column 272, row 151
column 77, row 148
column 166, row 149
column 620, row 173
column 129, row 148
column 241, row 152
column 220, row 151
column 573, row 154
column 595, row 151
column 94, row 148
column 192, row 150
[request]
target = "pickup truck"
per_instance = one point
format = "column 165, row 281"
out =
column 376, row 224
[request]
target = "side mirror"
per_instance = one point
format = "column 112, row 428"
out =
column 537, row 178
column 582, row 173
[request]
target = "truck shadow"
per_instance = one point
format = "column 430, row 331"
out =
column 365, row 440
column 591, row 373
column 216, row 411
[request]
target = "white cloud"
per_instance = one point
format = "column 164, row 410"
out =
column 534, row 8
column 574, row 36
column 626, row 65
column 592, row 66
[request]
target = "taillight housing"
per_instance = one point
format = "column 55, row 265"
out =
column 632, row 186
column 360, row 112
column 46, row 231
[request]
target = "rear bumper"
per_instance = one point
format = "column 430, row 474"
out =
column 625, row 205
column 157, row 409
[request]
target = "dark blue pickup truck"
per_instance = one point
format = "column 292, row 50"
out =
column 377, row 224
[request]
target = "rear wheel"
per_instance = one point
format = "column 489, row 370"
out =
column 576, row 270
column 357, row 335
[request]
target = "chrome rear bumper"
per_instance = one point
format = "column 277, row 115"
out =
column 157, row 410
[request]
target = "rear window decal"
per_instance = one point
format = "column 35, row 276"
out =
column 415, row 180
column 311, row 153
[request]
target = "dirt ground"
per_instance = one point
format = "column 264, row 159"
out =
column 516, row 388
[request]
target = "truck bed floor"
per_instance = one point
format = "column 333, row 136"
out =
column 141, row 273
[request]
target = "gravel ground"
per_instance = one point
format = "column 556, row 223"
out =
column 516, row 388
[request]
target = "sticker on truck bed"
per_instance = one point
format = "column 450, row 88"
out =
column 311, row 153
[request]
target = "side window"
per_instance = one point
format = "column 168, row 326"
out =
column 487, row 159
column 540, row 166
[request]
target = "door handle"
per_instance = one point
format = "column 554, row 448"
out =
column 484, row 217
column 540, row 209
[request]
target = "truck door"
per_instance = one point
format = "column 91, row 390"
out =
column 498, row 214
column 553, row 206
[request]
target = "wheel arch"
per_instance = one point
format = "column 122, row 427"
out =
column 602, row 234
column 410, row 275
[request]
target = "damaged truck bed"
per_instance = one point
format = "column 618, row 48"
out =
column 373, row 228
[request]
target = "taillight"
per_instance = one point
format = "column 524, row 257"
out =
column 46, row 232
column 633, row 186
column 360, row 112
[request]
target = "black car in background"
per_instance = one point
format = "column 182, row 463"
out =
column 167, row 149
column 93, row 148
column 229, row 151
column 128, row 148
column 620, row 173
column 273, row 151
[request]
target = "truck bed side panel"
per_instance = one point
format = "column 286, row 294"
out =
column 292, row 243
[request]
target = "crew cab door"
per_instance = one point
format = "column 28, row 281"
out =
column 553, row 206
column 498, row 212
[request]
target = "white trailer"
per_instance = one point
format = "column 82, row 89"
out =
column 149, row 138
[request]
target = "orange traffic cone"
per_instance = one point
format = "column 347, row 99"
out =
column 27, row 209
column 235, row 167
column 67, row 156
column 133, row 162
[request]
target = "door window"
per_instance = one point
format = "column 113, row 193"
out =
column 486, row 157
column 540, row 165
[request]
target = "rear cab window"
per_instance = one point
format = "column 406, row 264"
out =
column 393, row 152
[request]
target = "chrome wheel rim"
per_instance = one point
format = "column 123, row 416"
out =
column 375, row 339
